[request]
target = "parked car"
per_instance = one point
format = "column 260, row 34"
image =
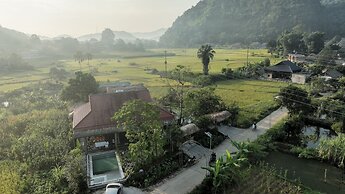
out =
column 114, row 188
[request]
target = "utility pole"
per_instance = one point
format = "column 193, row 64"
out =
column 247, row 55
column 166, row 63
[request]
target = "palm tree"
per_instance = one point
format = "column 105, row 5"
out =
column 89, row 58
column 206, row 53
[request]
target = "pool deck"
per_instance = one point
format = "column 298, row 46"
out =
column 105, row 178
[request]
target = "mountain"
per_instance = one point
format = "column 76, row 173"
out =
column 154, row 35
column 126, row 36
column 11, row 40
column 331, row 2
column 244, row 21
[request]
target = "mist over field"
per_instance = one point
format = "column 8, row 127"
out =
column 144, row 96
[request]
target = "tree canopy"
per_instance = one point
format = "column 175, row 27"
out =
column 143, row 129
column 231, row 21
column 296, row 100
column 206, row 54
column 201, row 102
column 80, row 88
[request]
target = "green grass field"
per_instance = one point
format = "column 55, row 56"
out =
column 254, row 97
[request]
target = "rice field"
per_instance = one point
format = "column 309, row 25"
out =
column 253, row 96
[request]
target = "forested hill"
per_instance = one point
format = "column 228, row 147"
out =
column 11, row 39
column 232, row 21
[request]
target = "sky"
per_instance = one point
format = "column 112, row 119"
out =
column 77, row 17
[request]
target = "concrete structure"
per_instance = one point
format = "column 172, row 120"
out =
column 299, row 78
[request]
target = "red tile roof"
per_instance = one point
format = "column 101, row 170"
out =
column 97, row 113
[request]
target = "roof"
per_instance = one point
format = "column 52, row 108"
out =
column 189, row 129
column 284, row 67
column 220, row 116
column 332, row 73
column 97, row 113
column 342, row 43
column 296, row 55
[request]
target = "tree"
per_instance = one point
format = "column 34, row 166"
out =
column 315, row 42
column 293, row 130
column 143, row 129
column 57, row 74
column 88, row 57
column 35, row 40
column 180, row 74
column 202, row 101
column 80, row 88
column 272, row 46
column 296, row 100
column 327, row 56
column 108, row 37
column 75, row 170
column 79, row 57
column 292, row 42
column 10, row 180
column 206, row 53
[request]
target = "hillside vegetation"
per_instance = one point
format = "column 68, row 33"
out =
column 231, row 21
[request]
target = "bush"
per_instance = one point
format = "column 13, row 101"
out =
column 204, row 140
column 338, row 126
column 203, row 122
column 228, row 72
column 203, row 80
column 307, row 153
column 154, row 172
column 204, row 187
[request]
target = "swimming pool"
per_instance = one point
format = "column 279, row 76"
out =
column 104, row 168
column 104, row 163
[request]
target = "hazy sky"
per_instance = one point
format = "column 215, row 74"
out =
column 77, row 17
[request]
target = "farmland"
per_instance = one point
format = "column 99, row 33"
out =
column 254, row 97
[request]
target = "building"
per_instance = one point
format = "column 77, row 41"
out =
column 297, row 58
column 99, row 135
column 329, row 74
column 282, row 70
column 299, row 78
column 92, row 121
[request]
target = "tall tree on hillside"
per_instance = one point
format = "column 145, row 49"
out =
column 315, row 42
column 108, row 37
column 206, row 54
column 292, row 42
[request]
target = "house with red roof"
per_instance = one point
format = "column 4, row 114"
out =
column 92, row 122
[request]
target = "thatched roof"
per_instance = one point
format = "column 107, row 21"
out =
column 189, row 129
column 220, row 116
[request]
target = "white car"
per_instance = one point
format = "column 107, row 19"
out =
column 114, row 188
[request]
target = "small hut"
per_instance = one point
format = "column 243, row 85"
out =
column 219, row 116
column 189, row 129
